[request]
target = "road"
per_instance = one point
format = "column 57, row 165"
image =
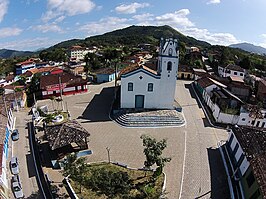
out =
column 195, row 169
column 21, row 149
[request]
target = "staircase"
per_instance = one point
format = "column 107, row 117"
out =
column 160, row 118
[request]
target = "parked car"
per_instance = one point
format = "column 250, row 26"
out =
column 15, row 135
column 14, row 165
column 16, row 187
column 15, row 178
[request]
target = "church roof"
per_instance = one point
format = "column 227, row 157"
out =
column 134, row 67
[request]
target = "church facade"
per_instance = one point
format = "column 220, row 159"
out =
column 142, row 87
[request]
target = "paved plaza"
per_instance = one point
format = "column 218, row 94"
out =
column 195, row 170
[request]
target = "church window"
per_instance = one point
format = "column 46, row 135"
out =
column 169, row 66
column 150, row 87
column 130, row 86
column 170, row 52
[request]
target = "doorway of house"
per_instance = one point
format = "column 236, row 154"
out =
column 139, row 101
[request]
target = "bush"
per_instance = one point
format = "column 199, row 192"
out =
column 110, row 182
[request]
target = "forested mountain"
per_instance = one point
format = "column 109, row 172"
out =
column 5, row 53
column 134, row 35
column 250, row 48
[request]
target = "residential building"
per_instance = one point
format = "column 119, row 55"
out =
column 231, row 70
column 185, row 72
column 261, row 92
column 22, row 67
column 78, row 53
column 226, row 107
column 142, row 87
column 105, row 75
column 237, row 86
column 6, row 128
column 68, row 84
column 244, row 158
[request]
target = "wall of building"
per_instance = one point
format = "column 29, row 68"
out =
column 224, row 72
column 66, row 91
column 244, row 168
column 185, row 75
column 140, row 87
column 105, row 78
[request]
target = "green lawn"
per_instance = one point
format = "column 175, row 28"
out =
column 143, row 187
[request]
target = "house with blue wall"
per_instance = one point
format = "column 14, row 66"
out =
column 105, row 75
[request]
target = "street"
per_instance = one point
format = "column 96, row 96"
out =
column 21, row 149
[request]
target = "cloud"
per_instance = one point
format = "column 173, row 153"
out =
column 29, row 44
column 263, row 44
column 3, row 8
column 8, row 32
column 214, row 2
column 104, row 25
column 130, row 8
column 213, row 38
column 177, row 18
column 144, row 17
column 47, row 28
column 67, row 7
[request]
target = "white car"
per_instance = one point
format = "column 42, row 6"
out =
column 14, row 165
column 16, row 187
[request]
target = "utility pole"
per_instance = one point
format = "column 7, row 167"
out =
column 108, row 153
column 61, row 92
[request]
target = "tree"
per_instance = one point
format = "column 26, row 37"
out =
column 110, row 182
column 245, row 63
column 153, row 151
column 75, row 168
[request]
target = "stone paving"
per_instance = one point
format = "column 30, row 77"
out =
column 92, row 111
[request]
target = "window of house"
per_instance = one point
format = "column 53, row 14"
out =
column 130, row 86
column 263, row 124
column 235, row 73
column 169, row 66
column 243, row 119
column 250, row 179
column 253, row 122
column 150, row 87
column 241, row 74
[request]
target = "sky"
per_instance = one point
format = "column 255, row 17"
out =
column 36, row 24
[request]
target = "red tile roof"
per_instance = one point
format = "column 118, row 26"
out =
column 107, row 71
column 134, row 67
column 205, row 82
column 66, row 78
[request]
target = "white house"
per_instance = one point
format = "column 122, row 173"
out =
column 231, row 71
column 142, row 87
column 78, row 52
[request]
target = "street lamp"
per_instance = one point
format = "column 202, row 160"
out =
column 108, row 153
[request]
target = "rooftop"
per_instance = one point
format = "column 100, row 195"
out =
column 234, row 67
column 66, row 78
column 107, row 71
column 185, row 68
column 253, row 143
column 64, row 134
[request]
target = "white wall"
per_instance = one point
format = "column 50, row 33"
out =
column 245, row 164
column 222, row 73
column 140, row 87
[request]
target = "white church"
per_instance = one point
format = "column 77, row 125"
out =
column 142, row 87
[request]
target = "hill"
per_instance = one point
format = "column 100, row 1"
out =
column 132, row 36
column 5, row 53
column 250, row 48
